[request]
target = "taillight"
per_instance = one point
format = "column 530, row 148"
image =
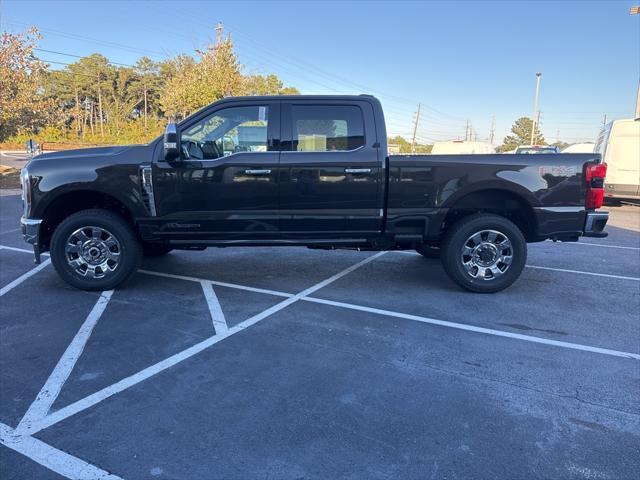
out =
column 595, row 172
column 594, row 176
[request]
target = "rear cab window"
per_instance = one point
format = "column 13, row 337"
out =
column 326, row 128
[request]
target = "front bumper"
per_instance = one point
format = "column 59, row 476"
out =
column 31, row 234
column 594, row 224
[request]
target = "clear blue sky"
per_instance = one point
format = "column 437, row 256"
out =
column 462, row 60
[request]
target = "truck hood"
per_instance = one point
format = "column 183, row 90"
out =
column 86, row 152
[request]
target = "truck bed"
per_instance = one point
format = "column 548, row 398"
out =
column 431, row 185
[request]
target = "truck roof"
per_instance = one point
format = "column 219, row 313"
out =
column 303, row 97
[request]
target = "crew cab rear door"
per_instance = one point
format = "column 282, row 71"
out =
column 330, row 170
column 225, row 184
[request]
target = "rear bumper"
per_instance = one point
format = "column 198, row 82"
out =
column 594, row 224
column 31, row 234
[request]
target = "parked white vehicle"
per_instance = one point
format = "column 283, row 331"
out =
column 461, row 147
column 586, row 147
column 619, row 144
column 535, row 149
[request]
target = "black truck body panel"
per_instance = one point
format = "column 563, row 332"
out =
column 430, row 185
column 361, row 197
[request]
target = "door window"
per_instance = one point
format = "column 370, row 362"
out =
column 227, row 131
column 327, row 128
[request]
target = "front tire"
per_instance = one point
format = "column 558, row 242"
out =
column 484, row 253
column 95, row 250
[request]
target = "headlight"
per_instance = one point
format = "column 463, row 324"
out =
column 25, row 182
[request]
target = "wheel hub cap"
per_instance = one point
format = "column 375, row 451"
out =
column 93, row 252
column 487, row 254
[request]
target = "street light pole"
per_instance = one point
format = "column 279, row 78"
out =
column 638, row 103
column 535, row 108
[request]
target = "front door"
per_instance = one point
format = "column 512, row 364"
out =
column 330, row 171
column 225, row 185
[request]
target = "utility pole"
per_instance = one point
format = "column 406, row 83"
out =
column 466, row 132
column 492, row 132
column 604, row 120
column 415, row 130
column 535, row 108
column 219, row 34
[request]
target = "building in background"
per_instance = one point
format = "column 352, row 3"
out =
column 462, row 147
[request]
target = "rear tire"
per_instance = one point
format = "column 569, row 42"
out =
column 484, row 253
column 428, row 251
column 95, row 250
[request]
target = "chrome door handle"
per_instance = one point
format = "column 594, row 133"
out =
column 357, row 170
column 251, row 171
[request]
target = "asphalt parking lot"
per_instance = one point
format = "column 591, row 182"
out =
column 301, row 364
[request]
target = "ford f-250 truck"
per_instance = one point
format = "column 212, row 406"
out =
column 301, row 170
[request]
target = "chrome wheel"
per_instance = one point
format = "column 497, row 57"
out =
column 487, row 254
column 93, row 252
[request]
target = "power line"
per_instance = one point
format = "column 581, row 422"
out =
column 106, row 43
column 79, row 56
column 308, row 66
column 66, row 64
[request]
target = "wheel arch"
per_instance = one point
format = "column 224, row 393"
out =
column 508, row 203
column 70, row 202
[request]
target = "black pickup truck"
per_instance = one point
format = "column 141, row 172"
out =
column 301, row 170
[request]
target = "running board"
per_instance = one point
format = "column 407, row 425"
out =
column 267, row 243
column 408, row 238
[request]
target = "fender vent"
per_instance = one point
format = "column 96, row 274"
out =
column 146, row 189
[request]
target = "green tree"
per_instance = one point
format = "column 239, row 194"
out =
column 147, row 88
column 216, row 75
column 121, row 99
column 521, row 135
column 405, row 145
column 98, row 102
column 23, row 106
column 266, row 85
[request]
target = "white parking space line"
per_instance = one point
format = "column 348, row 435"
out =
column 472, row 328
column 60, row 462
column 220, row 284
column 22, row 278
column 21, row 250
column 148, row 372
column 11, row 231
column 283, row 294
column 554, row 269
column 51, row 389
column 619, row 277
column 599, row 245
column 217, row 315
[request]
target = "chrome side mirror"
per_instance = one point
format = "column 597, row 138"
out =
column 171, row 143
